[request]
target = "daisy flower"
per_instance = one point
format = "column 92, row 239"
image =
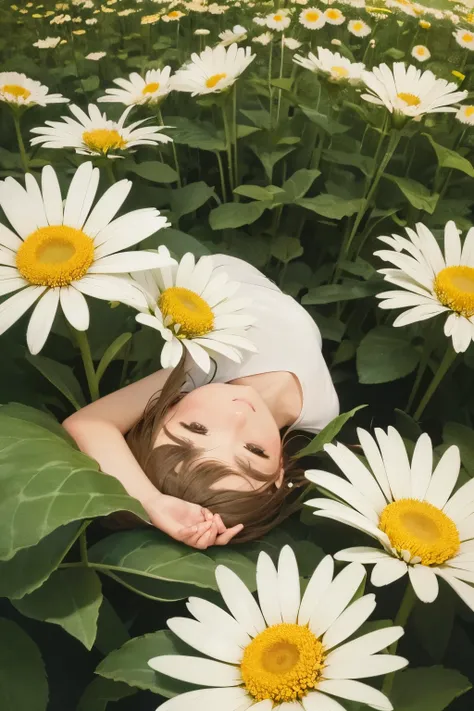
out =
column 264, row 38
column 278, row 21
column 404, row 6
column 421, row 53
column 18, row 90
column 466, row 114
column 333, row 65
column 236, row 34
column 291, row 43
column 432, row 283
column 312, row 18
column 47, row 43
column 140, row 90
column 56, row 253
column 213, row 70
column 286, row 652
column 334, row 16
column 408, row 508
column 407, row 91
column 150, row 19
column 192, row 307
column 94, row 56
column 202, row 32
column 95, row 135
column 172, row 16
column 359, row 28
column 464, row 38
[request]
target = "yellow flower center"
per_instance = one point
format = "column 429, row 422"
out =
column 151, row 88
column 422, row 529
column 421, row 51
column 214, row 80
column 282, row 663
column 278, row 17
column 312, row 16
column 340, row 72
column 333, row 14
column 409, row 99
column 186, row 308
column 55, row 256
column 103, row 140
column 470, row 17
column 468, row 111
column 454, row 287
column 424, row 24
column 458, row 75
column 467, row 37
column 173, row 14
column 18, row 92
column 358, row 26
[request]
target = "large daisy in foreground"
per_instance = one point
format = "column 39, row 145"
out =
column 150, row 89
column 288, row 652
column 193, row 308
column 408, row 508
column 18, row 90
column 59, row 252
column 214, row 70
column 333, row 65
column 432, row 283
column 94, row 134
column 409, row 92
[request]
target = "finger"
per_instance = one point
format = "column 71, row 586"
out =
column 229, row 534
column 221, row 528
column 193, row 533
column 208, row 538
column 207, row 514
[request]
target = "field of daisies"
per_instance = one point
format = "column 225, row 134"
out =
column 331, row 145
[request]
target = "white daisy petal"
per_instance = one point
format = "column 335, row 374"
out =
column 356, row 691
column 267, row 585
column 12, row 309
column 387, row 571
column 288, row 585
column 206, row 640
column 317, row 586
column 239, row 601
column 212, row 615
column 444, row 478
column 363, row 667
column 13, row 199
column 41, row 320
column 336, row 598
column 465, row 591
column 81, row 195
column 196, row 670
column 365, row 646
column 362, row 554
column 316, row 701
column 107, row 207
column 75, row 308
column 424, row 582
column 349, row 621
column 232, row 699
column 198, row 354
column 53, row 203
column 421, row 466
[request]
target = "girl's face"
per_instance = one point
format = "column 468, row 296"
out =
column 229, row 423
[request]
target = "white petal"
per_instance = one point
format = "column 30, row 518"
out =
column 206, row 640
column 336, row 598
column 201, row 275
column 345, row 491
column 418, row 313
column 421, row 466
column 460, row 502
column 171, row 353
column 387, row 571
column 232, row 699
column 212, row 615
column 357, row 474
column 107, row 207
column 317, row 586
column 375, row 461
column 35, row 201
column 52, row 198
column 316, row 701
column 198, row 354
column 127, row 230
column 81, row 194
column 196, row 670
column 362, row 554
column 349, row 621
column 7, row 286
column 75, row 308
column 240, row 601
column 444, row 478
column 396, row 462
column 125, row 262
column 9, row 239
column 288, row 585
column 356, row 691
column 111, row 288
column 364, row 667
column 41, row 320
column 267, row 585
column 424, row 582
column 185, row 270
column 452, row 244
column 13, row 199
column 13, row 308
column 368, row 644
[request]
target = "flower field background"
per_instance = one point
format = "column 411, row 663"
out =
column 331, row 145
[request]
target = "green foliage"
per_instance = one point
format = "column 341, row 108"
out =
column 23, row 683
column 430, row 689
column 236, row 214
column 416, row 193
column 384, row 355
column 328, row 433
column 154, row 171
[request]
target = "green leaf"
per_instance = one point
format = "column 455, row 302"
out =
column 236, row 214
column 347, row 291
column 23, row 684
column 259, row 118
column 71, row 598
column 286, row 248
column 463, row 437
column 269, row 156
column 394, row 53
column 366, row 164
column 332, row 206
column 111, row 631
column 190, row 198
column 427, row 688
column 90, row 83
column 196, row 134
column 243, row 130
column 300, row 182
column 32, row 566
column 385, row 354
column 36, row 417
column 322, row 120
column 180, row 242
column 416, row 193
column 129, row 664
column 46, row 484
column 434, row 623
column 100, row 691
column 112, row 351
column 155, row 171
column 328, row 433
column 450, row 159
column 284, row 83
column 61, row 376
column 407, row 426
column 256, row 192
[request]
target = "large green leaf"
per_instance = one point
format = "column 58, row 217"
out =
column 463, row 437
column 427, row 688
column 23, row 684
column 236, row 214
column 323, row 121
column 450, row 159
column 100, row 691
column 112, row 352
column 328, row 433
column 332, row 206
column 385, row 354
column 45, row 484
column 37, row 417
column 196, row 134
column 300, row 182
column 270, row 155
column 30, row 567
column 286, row 248
column 154, row 170
column 366, row 164
column 180, row 242
column 61, row 376
column 71, row 598
column 347, row 291
column 190, row 198
column 416, row 193
column 111, row 631
column 256, row 192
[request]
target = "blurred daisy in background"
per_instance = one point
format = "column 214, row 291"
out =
column 94, row 134
column 58, row 252
column 290, row 43
column 333, row 65
column 96, row 56
column 432, row 283
column 47, row 43
column 19, row 91
column 264, row 38
column 334, row 16
column 150, row 89
column 213, row 70
column 172, row 16
column 312, row 18
column 421, row 53
column 359, row 28
column 466, row 114
column 288, row 651
column 279, row 20
column 464, row 38
column 236, row 34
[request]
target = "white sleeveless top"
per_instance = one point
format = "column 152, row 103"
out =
column 287, row 339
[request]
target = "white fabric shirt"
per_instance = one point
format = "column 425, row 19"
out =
column 287, row 339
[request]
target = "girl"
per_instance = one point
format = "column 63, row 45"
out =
column 206, row 459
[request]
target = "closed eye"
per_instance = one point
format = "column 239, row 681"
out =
column 195, row 427
column 255, row 449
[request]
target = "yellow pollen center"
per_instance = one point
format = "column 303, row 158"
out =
column 151, row 88
column 18, row 92
column 454, row 287
column 186, row 308
column 333, row 14
column 174, row 13
column 409, row 99
column 340, row 72
column 468, row 111
column 421, row 51
column 103, row 140
column 421, row 529
column 55, row 256
column 312, row 16
column 214, row 80
column 357, row 26
column 282, row 663
column 467, row 37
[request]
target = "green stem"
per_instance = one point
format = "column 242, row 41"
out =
column 228, row 145
column 221, row 173
column 234, row 133
column 406, row 607
column 173, row 148
column 19, row 138
column 282, row 59
column 109, row 169
column 444, row 366
column 83, row 548
column 270, row 87
column 84, row 347
column 424, row 360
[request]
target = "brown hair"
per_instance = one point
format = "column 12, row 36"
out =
column 175, row 470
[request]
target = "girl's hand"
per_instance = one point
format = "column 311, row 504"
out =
column 189, row 523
